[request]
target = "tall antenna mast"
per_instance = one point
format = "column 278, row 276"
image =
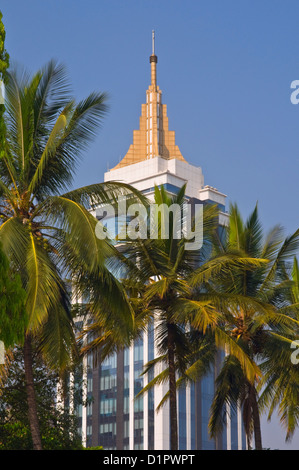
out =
column 153, row 42
column 153, row 60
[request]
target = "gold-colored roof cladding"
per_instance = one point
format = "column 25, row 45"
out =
column 153, row 138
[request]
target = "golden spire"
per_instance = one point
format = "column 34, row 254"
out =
column 153, row 138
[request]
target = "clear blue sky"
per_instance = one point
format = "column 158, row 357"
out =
column 225, row 69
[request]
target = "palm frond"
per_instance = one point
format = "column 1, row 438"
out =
column 57, row 339
column 236, row 228
column 79, row 230
column 14, row 239
column 223, row 264
column 42, row 284
column 229, row 385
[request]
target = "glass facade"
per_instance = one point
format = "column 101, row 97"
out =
column 126, row 398
column 111, row 418
column 207, row 392
column 138, row 402
column 182, row 415
column 89, row 398
column 193, row 416
column 107, row 403
column 151, row 393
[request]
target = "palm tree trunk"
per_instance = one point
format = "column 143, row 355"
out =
column 248, row 442
column 172, row 392
column 256, row 423
column 31, row 399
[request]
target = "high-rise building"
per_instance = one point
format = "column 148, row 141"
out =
column 115, row 419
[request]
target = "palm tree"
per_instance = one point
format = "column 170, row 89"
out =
column 280, row 368
column 154, row 278
column 256, row 323
column 47, row 230
column 163, row 287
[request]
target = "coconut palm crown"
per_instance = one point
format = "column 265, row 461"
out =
column 47, row 230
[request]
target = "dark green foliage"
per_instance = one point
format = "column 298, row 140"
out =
column 4, row 57
column 58, row 426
